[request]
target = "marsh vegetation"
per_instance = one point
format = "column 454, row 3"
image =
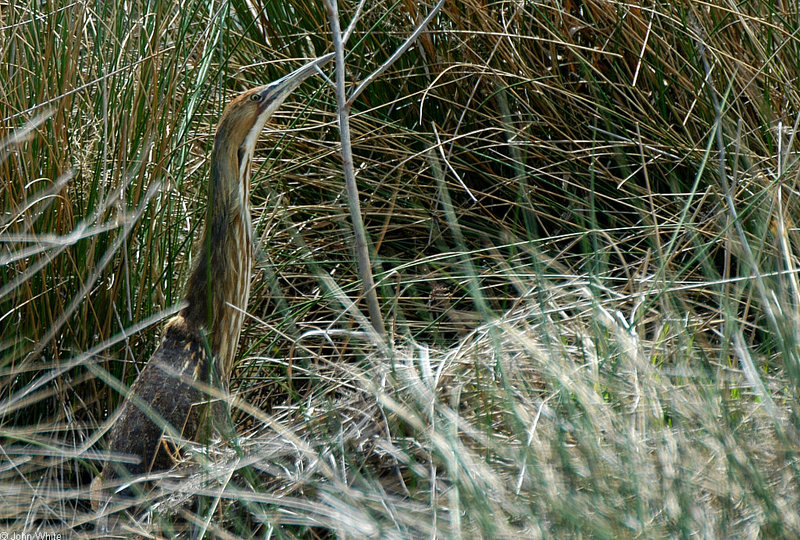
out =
column 582, row 220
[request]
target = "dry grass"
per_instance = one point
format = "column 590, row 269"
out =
column 582, row 219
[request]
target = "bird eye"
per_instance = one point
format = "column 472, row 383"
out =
column 255, row 97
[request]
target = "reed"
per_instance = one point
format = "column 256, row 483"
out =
column 581, row 220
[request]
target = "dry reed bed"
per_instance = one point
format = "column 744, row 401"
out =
column 591, row 298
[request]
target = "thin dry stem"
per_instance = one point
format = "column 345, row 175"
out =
column 360, row 235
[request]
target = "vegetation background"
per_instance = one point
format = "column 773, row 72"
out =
column 582, row 218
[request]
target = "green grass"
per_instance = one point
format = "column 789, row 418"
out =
column 583, row 223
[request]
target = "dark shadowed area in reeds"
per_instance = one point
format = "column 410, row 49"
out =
column 581, row 220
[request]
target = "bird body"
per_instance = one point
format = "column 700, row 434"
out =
column 198, row 347
column 165, row 398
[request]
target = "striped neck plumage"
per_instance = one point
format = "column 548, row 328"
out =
column 219, row 286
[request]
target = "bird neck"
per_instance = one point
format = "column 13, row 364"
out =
column 219, row 285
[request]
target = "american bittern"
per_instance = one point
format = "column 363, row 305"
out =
column 199, row 344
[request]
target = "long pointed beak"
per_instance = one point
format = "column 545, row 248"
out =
column 274, row 93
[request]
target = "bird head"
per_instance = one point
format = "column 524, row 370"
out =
column 244, row 118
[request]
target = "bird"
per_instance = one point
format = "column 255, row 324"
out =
column 198, row 345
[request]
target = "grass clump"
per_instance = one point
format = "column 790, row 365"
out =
column 582, row 220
